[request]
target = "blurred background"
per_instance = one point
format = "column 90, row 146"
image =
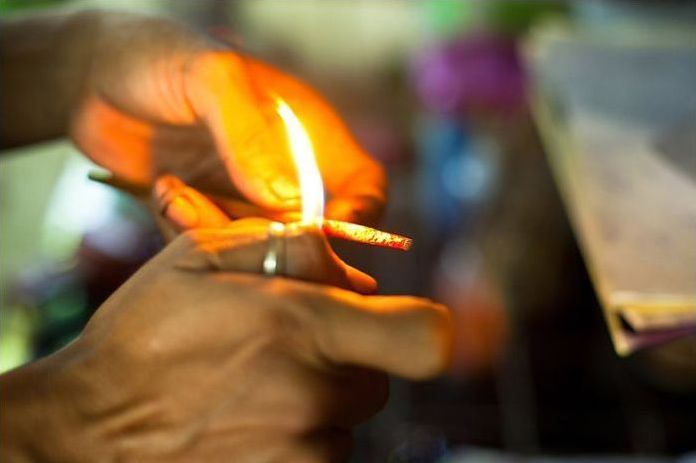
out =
column 441, row 93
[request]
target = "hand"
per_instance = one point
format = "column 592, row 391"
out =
column 160, row 99
column 179, row 208
column 191, row 360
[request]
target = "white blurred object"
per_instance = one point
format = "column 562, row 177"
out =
column 76, row 206
column 350, row 37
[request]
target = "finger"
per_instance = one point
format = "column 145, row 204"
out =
column 360, row 281
column 217, row 211
column 358, row 185
column 361, row 210
column 406, row 336
column 355, row 180
column 359, row 191
column 239, row 209
column 248, row 133
column 243, row 244
column 114, row 140
column 184, row 207
column 168, row 228
column 311, row 241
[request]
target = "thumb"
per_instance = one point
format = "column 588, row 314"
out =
column 248, row 133
column 406, row 336
column 185, row 208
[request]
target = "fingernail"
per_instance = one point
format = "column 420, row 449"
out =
column 165, row 184
column 183, row 213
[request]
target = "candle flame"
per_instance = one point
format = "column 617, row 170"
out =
column 311, row 185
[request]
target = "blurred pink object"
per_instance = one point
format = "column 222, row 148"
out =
column 473, row 73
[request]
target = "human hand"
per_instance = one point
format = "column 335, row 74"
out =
column 191, row 360
column 179, row 208
column 159, row 98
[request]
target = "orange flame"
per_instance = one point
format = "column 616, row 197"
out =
column 311, row 185
column 312, row 189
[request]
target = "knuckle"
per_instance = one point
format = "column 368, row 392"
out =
column 284, row 319
column 308, row 255
column 188, row 240
column 207, row 245
column 194, row 251
column 139, row 352
column 295, row 318
column 281, row 290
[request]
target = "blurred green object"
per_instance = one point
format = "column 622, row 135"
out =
column 449, row 17
column 16, row 333
column 14, row 5
column 516, row 16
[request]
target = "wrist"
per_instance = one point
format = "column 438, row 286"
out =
column 41, row 417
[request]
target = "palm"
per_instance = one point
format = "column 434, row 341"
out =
column 223, row 136
column 139, row 151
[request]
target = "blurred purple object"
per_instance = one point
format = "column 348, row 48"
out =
column 476, row 72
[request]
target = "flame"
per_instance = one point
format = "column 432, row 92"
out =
column 311, row 185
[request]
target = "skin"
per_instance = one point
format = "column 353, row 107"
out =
column 195, row 360
column 179, row 93
column 196, row 357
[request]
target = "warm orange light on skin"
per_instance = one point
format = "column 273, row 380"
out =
column 115, row 140
column 311, row 185
column 210, row 216
column 312, row 189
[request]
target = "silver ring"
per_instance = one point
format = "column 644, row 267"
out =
column 273, row 261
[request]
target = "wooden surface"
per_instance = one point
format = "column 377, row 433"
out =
column 632, row 203
column 635, row 218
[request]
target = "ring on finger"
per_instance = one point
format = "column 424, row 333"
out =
column 275, row 253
